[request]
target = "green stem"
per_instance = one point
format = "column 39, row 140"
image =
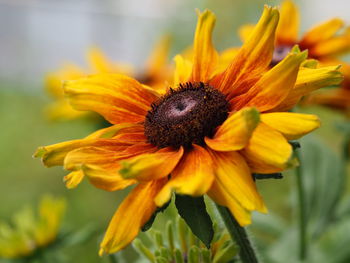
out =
column 239, row 235
column 302, row 211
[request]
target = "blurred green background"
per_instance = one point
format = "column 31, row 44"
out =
column 36, row 37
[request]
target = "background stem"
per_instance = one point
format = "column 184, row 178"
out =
column 239, row 235
column 302, row 212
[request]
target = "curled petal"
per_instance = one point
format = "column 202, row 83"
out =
column 73, row 179
column 192, row 176
column 268, row 151
column 132, row 214
column 235, row 132
column 291, row 125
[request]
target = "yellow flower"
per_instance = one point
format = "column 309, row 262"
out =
column 325, row 42
column 155, row 74
column 209, row 133
column 29, row 232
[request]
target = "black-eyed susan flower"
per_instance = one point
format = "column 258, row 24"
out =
column 206, row 135
column 155, row 73
column 325, row 42
column 29, row 232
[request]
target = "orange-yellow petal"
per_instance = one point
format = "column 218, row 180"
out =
column 253, row 58
column 274, row 86
column 332, row 47
column 99, row 63
column 158, row 59
column 73, row 179
column 233, row 173
column 183, row 69
column 118, row 98
column 245, row 31
column 307, row 81
column 108, row 180
column 268, row 151
column 235, row 132
column 192, row 176
column 220, row 196
column 321, row 32
column 53, row 155
column 288, row 26
column 132, row 214
column 204, row 54
column 291, row 125
column 151, row 166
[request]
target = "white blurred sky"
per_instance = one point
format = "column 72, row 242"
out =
column 37, row 36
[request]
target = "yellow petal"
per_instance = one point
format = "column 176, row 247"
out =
column 101, row 64
column 253, row 58
column 245, row 31
column 307, row 81
column 62, row 110
column 73, row 179
column 220, row 196
column 321, row 32
column 118, row 98
column 233, row 173
column 132, row 214
column 193, row 176
column 158, row 59
column 204, row 54
column 268, row 151
column 183, row 69
column 151, row 166
column 54, row 154
column 235, row 132
column 108, row 180
column 332, row 47
column 291, row 125
column 288, row 26
column 274, row 86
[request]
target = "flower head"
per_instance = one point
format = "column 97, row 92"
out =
column 325, row 42
column 206, row 135
column 29, row 233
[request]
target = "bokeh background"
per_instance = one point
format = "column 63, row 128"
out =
column 37, row 37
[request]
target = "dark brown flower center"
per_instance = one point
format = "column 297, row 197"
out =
column 185, row 115
column 279, row 53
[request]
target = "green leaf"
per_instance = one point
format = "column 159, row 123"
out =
column 193, row 211
column 324, row 180
column 149, row 223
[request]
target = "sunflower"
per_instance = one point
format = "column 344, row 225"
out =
column 207, row 135
column 156, row 72
column 29, row 233
column 325, row 42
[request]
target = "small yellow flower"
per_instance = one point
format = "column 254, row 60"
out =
column 209, row 133
column 325, row 42
column 156, row 73
column 29, row 232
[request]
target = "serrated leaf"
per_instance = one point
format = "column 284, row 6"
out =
column 193, row 211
